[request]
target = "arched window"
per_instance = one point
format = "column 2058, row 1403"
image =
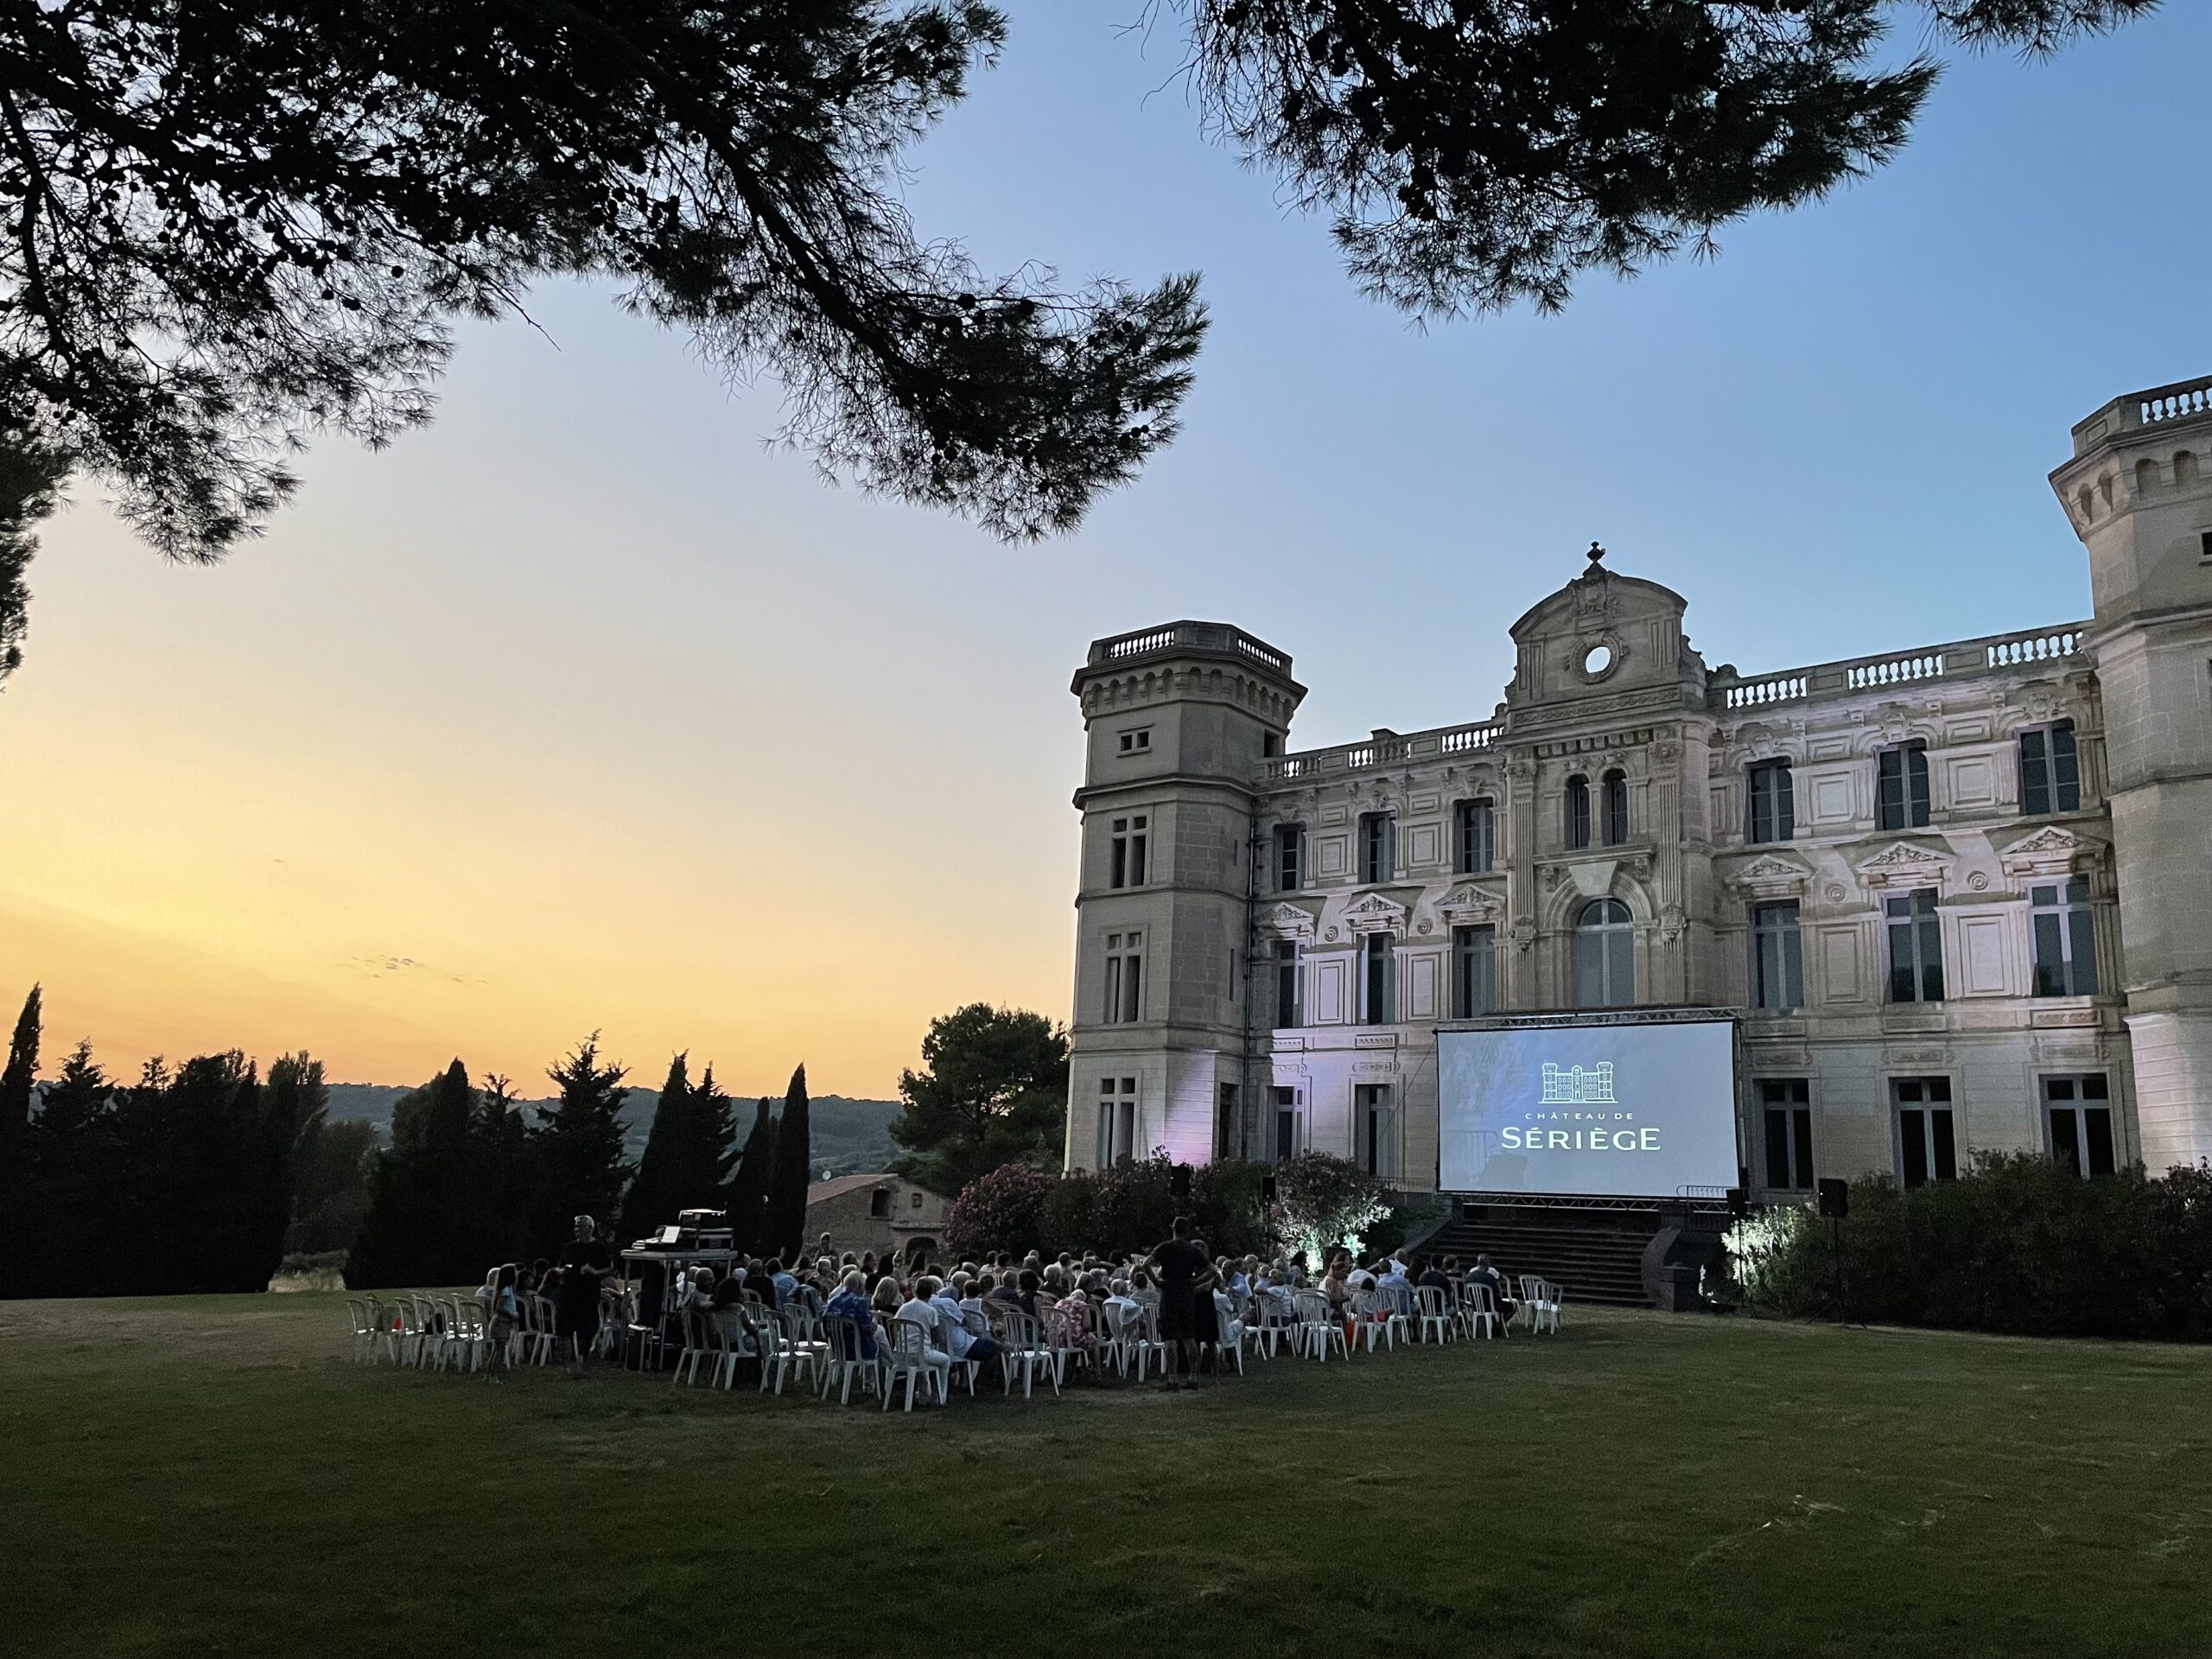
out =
column 1615, row 807
column 1604, row 956
column 1578, row 811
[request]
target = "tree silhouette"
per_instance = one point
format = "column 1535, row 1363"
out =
column 1486, row 152
column 787, row 1210
column 994, row 1090
column 230, row 227
column 576, row 1147
column 18, row 1077
column 747, row 1202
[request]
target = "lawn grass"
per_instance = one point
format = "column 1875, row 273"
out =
column 212, row 1475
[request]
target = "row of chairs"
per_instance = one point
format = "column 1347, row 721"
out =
column 432, row 1332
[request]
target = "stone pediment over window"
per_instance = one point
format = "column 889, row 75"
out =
column 2050, row 851
column 1906, row 864
column 1376, row 914
column 1770, row 876
column 1289, row 922
column 1468, row 905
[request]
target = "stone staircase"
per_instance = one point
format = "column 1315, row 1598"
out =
column 1595, row 1256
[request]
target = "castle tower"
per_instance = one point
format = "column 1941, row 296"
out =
column 2138, row 491
column 1180, row 719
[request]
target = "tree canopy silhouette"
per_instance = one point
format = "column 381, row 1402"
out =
column 230, row 226
column 993, row 1090
column 1474, row 153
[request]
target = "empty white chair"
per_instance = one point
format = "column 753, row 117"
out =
column 1025, row 1350
column 841, row 1363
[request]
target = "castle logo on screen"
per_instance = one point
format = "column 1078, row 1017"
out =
column 1573, row 1131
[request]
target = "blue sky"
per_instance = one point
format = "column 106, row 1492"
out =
column 589, row 709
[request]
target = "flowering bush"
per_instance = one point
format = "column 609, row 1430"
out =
column 1322, row 1202
column 1003, row 1209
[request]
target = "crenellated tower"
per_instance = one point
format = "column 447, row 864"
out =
column 2138, row 491
column 1180, row 719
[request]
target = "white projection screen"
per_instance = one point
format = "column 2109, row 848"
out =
column 1628, row 1110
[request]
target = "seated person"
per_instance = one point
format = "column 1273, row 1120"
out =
column 1334, row 1286
column 1393, row 1279
column 1275, row 1303
column 1078, row 1320
column 963, row 1338
column 1485, row 1274
column 1434, row 1278
column 887, row 1298
column 1360, row 1278
column 918, row 1310
column 850, row 1303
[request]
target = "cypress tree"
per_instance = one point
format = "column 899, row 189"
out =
column 670, row 1148
column 68, row 1214
column 786, row 1209
column 748, row 1188
column 717, row 1121
column 18, row 1079
column 576, row 1147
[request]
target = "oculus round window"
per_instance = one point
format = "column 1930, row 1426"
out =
column 1598, row 661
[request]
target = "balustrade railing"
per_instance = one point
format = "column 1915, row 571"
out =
column 2178, row 402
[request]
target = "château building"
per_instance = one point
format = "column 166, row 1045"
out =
column 1958, row 896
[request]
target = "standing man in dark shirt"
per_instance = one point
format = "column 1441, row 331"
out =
column 1181, row 1265
column 585, row 1261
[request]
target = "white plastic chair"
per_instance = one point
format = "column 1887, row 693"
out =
column 1543, row 1299
column 1436, row 1318
column 1479, row 1311
column 1378, row 1319
column 1025, row 1350
column 1318, row 1326
column 909, row 1355
column 1272, row 1326
column 842, row 1361
column 364, row 1331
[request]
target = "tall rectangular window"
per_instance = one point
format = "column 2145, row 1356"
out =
column 1378, row 846
column 1474, row 972
column 1575, row 812
column 2077, row 1113
column 1478, row 837
column 1378, row 979
column 1290, row 857
column 1375, row 1128
column 1118, row 1120
column 1771, row 803
column 1227, row 1129
column 1612, row 803
column 1287, row 1138
column 2065, row 931
column 1785, row 1103
column 1777, row 956
column 1125, row 978
column 1927, row 1149
column 1901, row 787
column 1289, row 1009
column 1916, row 946
column 2051, row 770
column 1126, row 854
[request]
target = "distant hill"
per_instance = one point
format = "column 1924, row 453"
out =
column 851, row 1137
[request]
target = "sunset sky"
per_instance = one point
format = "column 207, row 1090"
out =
column 582, row 708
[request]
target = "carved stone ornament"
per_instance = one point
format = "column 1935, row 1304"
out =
column 1903, row 864
column 1979, row 881
column 1594, row 879
column 1772, row 876
column 1375, row 914
column 1289, row 922
column 1423, row 925
column 2050, row 851
column 1671, row 921
column 1467, row 904
column 1835, row 892
column 1524, row 932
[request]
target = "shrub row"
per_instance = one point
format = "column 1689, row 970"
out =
column 2019, row 1244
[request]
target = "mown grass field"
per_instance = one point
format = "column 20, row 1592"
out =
column 213, row 1476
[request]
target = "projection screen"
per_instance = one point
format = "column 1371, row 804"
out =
column 1628, row 1110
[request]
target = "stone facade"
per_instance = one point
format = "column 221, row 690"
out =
column 881, row 1213
column 1959, row 897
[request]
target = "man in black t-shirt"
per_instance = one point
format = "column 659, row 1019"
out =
column 584, row 1261
column 1181, row 1265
